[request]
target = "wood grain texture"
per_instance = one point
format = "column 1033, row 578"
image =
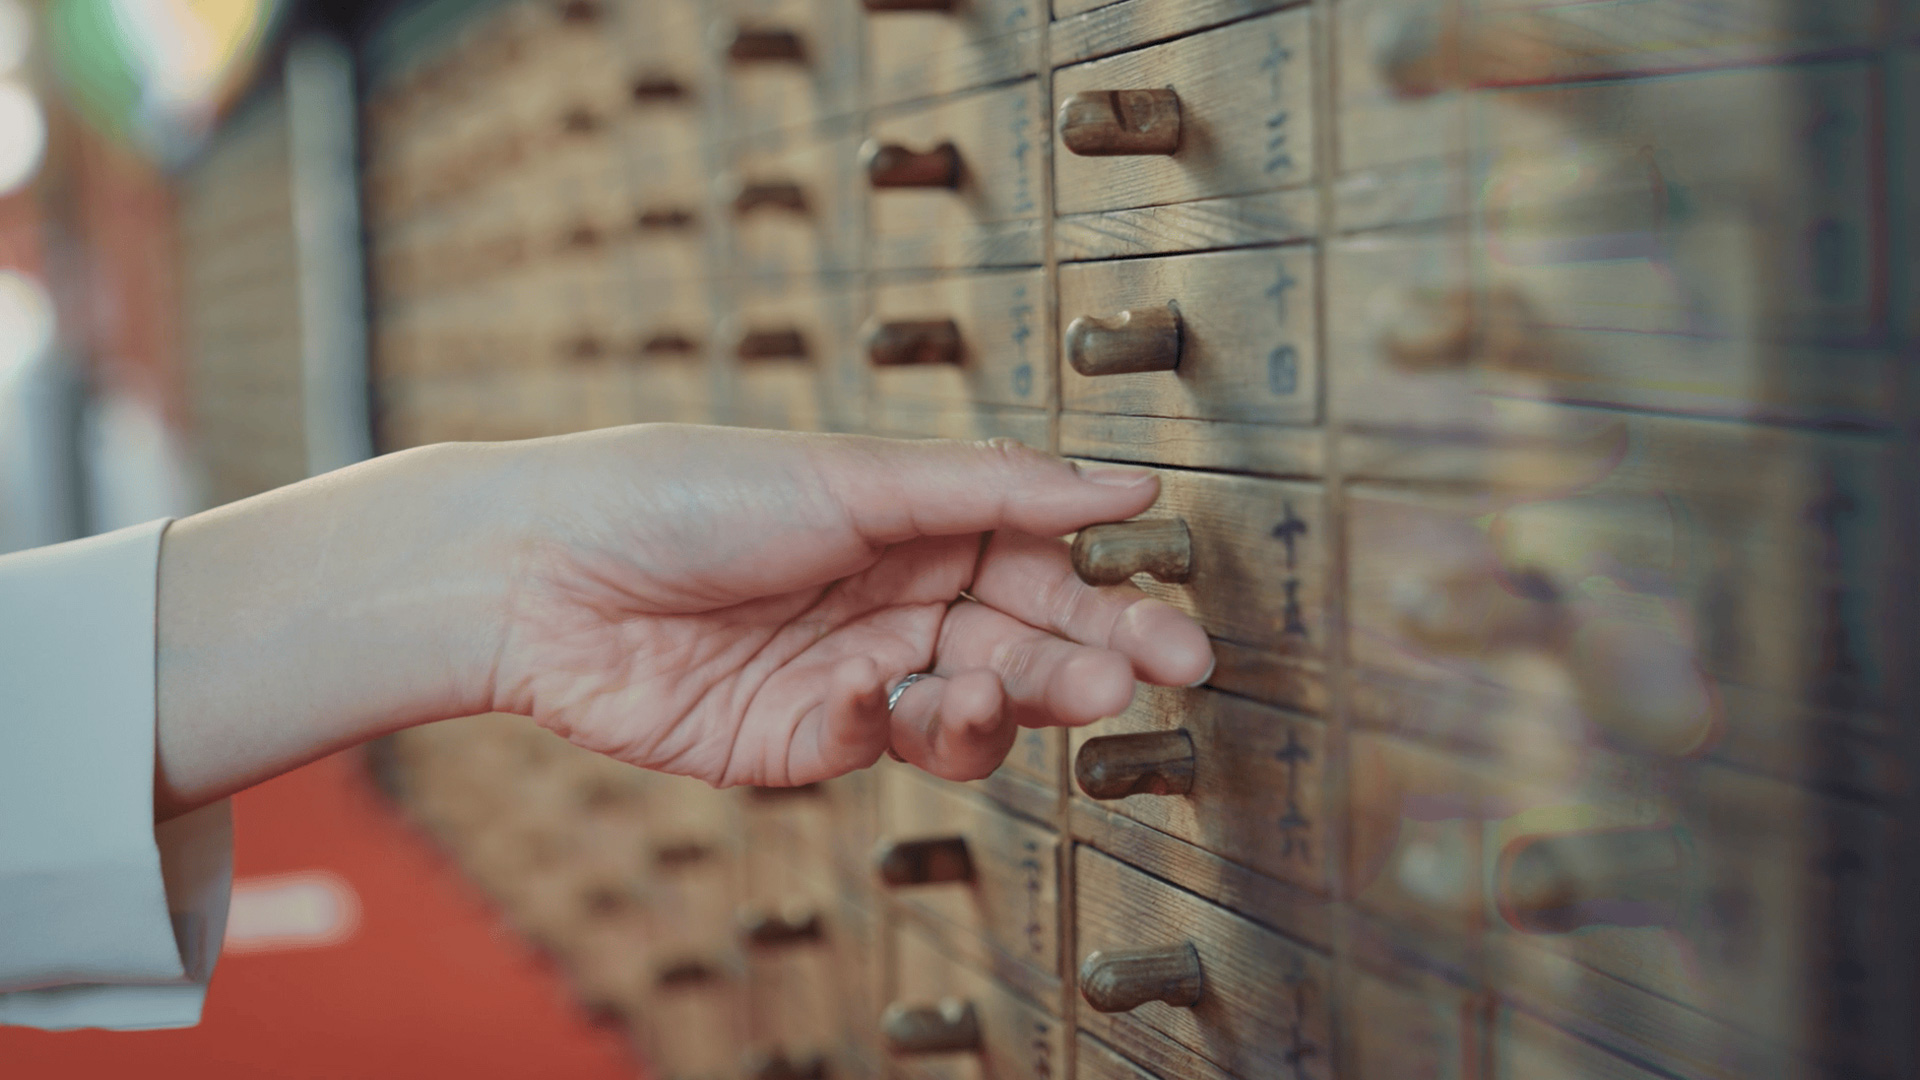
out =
column 992, row 219
column 999, row 314
column 1264, row 1009
column 1239, row 221
column 913, row 55
column 1258, row 794
column 1238, row 524
column 1193, row 444
column 1095, row 1060
column 1085, row 29
column 1246, row 117
column 1011, row 904
column 914, row 419
column 1411, row 1023
column 1248, row 347
column 1020, row 1040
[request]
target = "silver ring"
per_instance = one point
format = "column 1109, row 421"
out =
column 893, row 698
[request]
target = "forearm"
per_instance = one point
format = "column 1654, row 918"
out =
column 323, row 614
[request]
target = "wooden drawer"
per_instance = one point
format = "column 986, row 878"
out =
column 1258, row 559
column 1246, row 118
column 1527, row 1049
column 768, row 89
column 1411, row 1025
column 1253, row 774
column 1016, row 1039
column 786, row 353
column 961, row 338
column 794, row 993
column 794, row 211
column 1263, row 1003
column 1246, row 347
column 1009, row 901
column 660, row 143
column 788, row 850
column 696, row 1025
column 990, row 217
column 918, row 54
column 908, row 418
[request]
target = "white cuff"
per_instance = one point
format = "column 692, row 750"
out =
column 105, row 920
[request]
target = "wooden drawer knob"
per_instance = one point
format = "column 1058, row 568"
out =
column 1122, row 980
column 771, row 195
column 1111, row 554
column 1112, row 123
column 772, row 929
column 915, row 341
column 1450, row 329
column 1144, row 763
column 890, row 165
column 668, row 343
column 663, row 218
column 751, row 45
column 1559, row 883
column 657, row 89
column 685, row 975
column 582, row 12
column 773, row 344
column 878, row 7
column 925, row 862
column 675, row 856
column 952, row 1026
column 1145, row 339
column 778, row 1066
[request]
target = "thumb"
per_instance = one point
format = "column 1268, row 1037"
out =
column 897, row 490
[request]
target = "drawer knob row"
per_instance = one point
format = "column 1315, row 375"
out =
column 1145, row 763
column 915, row 341
column 952, row 1026
column 773, row 929
column 1450, row 329
column 778, row 1066
column 669, row 343
column 879, row 7
column 1112, row 123
column 1112, row 554
column 925, row 862
column 1562, row 882
column 1121, row 980
column 890, row 165
column 655, row 89
column 782, row 195
column 686, row 853
column 1139, row 339
column 772, row 344
column 663, row 218
column 760, row 44
column 686, row 975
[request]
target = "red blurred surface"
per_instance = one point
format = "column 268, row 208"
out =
column 431, row 984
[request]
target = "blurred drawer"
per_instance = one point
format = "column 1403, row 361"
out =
column 958, row 182
column 922, row 419
column 1528, row 1049
column 788, row 849
column 660, row 138
column 960, row 338
column 783, row 351
column 1261, row 1007
column 953, row 1022
column 1244, row 119
column 684, row 811
column 924, row 53
column 1257, row 558
column 692, row 889
column 985, row 873
column 1412, row 1024
column 794, row 993
column 795, row 211
column 787, row 64
column 695, row 1022
column 1231, row 776
column 1227, row 336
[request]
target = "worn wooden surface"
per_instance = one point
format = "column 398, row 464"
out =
column 913, row 54
column 992, row 218
column 999, row 314
column 1019, row 1039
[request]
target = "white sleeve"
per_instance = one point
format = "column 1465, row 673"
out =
column 105, row 920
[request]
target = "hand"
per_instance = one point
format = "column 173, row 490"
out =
column 736, row 605
column 725, row 604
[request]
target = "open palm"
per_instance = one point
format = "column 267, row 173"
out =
column 735, row 606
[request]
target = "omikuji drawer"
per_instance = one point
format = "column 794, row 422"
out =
column 951, row 1021
column 1224, row 336
column 1231, row 776
column 783, row 351
column 1157, row 957
column 1254, row 554
column 1244, row 111
column 793, row 210
column 990, row 877
column 960, row 338
column 914, row 52
column 785, row 64
column 958, row 183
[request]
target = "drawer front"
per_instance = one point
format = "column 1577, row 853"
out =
column 1247, row 343
column 1526, row 1049
column 796, row 211
column 1017, row 1039
column 992, row 350
column 1246, row 117
column 789, row 352
column 788, row 836
column 1256, row 795
column 1411, row 1027
column 767, row 88
column 1259, row 559
column 697, row 1031
column 919, row 54
column 660, row 141
column 921, row 419
column 1011, row 901
column 1263, row 1008
column 991, row 218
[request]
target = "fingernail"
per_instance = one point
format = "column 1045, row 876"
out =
column 1120, row 476
column 1212, row 662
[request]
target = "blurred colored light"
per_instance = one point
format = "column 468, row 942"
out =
column 26, row 323
column 23, row 135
